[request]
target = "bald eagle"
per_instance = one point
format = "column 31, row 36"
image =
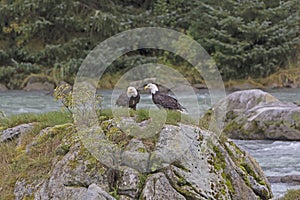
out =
column 163, row 100
column 129, row 99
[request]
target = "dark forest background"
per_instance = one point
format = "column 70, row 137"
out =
column 246, row 38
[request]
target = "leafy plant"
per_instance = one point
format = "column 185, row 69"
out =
column 85, row 102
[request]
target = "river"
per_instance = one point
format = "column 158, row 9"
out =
column 277, row 158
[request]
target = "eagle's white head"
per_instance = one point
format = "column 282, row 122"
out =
column 131, row 92
column 152, row 87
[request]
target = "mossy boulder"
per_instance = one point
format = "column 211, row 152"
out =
column 235, row 104
column 275, row 121
column 255, row 114
column 38, row 82
column 181, row 162
column 11, row 133
column 240, row 101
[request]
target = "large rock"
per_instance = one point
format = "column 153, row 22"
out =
column 290, row 179
column 3, row 88
column 38, row 82
column 276, row 121
column 158, row 187
column 181, row 162
column 254, row 114
column 94, row 192
column 238, row 102
column 24, row 189
column 71, row 176
column 16, row 131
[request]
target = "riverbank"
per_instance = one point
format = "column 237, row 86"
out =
column 288, row 78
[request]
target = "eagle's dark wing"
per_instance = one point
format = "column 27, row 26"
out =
column 165, row 101
column 123, row 100
column 133, row 101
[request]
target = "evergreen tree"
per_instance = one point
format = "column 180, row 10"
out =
column 52, row 36
column 247, row 38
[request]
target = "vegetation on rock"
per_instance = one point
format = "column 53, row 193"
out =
column 255, row 114
column 291, row 195
column 54, row 151
column 31, row 156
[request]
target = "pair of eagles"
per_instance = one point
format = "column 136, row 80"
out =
column 132, row 97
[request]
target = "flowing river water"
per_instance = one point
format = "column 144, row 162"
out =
column 277, row 158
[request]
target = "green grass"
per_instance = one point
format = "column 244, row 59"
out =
column 173, row 117
column 16, row 163
column 47, row 119
column 291, row 195
column 142, row 115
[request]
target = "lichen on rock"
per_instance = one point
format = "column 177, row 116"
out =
column 16, row 131
column 254, row 114
column 180, row 162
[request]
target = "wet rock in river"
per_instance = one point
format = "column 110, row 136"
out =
column 254, row 114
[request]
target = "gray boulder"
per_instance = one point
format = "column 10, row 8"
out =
column 3, row 88
column 181, row 162
column 158, row 187
column 70, row 178
column 276, row 121
column 24, row 189
column 16, row 131
column 94, row 192
column 254, row 114
column 238, row 102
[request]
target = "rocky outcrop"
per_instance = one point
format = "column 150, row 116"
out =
column 238, row 102
column 158, row 187
column 16, row 131
column 3, row 88
column 290, row 179
column 276, row 121
column 199, row 86
column 254, row 114
column 94, row 192
column 181, row 162
column 71, row 177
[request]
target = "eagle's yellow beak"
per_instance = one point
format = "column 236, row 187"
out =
column 146, row 87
